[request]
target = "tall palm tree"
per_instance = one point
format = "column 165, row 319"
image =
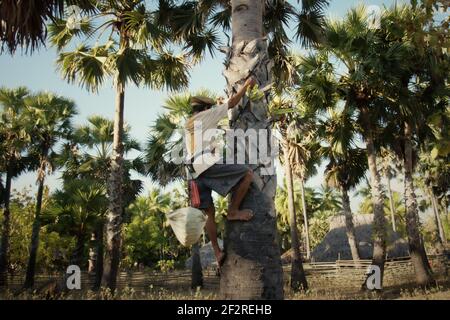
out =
column 249, row 54
column 313, row 95
column 420, row 86
column 298, row 277
column 134, row 51
column 51, row 117
column 305, row 158
column 13, row 161
column 364, row 87
column 88, row 156
column 347, row 164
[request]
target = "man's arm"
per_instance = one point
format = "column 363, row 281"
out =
column 234, row 100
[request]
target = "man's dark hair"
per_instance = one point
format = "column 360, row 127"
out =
column 200, row 103
column 200, row 107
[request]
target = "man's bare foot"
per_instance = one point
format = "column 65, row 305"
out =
column 240, row 215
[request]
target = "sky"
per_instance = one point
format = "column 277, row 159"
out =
column 38, row 72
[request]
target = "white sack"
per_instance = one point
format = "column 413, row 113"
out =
column 187, row 224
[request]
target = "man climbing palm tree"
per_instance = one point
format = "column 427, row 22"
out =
column 206, row 171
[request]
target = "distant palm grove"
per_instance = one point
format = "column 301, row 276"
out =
column 364, row 107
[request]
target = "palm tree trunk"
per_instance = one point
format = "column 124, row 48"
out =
column 6, row 229
column 31, row 268
column 197, row 274
column 391, row 201
column 305, row 219
column 416, row 248
column 298, row 278
column 379, row 221
column 350, row 228
column 437, row 217
column 446, row 208
column 99, row 257
column 252, row 268
column 77, row 256
column 114, row 215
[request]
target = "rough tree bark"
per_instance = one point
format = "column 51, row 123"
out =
column 379, row 221
column 31, row 268
column 305, row 218
column 196, row 269
column 99, row 257
column 252, row 268
column 391, row 199
column 416, row 248
column 298, row 277
column 114, row 215
column 6, row 229
column 349, row 227
column 437, row 217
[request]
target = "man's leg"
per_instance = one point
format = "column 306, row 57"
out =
column 211, row 229
column 236, row 199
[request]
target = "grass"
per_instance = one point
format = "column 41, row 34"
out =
column 440, row 292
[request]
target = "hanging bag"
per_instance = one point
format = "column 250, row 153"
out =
column 187, row 224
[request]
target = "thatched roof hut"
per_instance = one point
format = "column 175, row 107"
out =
column 207, row 257
column 335, row 244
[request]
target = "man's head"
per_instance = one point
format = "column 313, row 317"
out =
column 200, row 104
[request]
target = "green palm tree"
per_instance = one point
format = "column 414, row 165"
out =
column 347, row 164
column 285, row 124
column 304, row 157
column 13, row 159
column 329, row 199
column 88, row 156
column 89, row 152
column 158, row 205
column 133, row 49
column 313, row 93
column 298, row 278
column 249, row 53
column 78, row 208
column 49, row 122
column 421, row 91
column 362, row 81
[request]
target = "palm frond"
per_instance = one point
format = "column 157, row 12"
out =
column 166, row 70
column 197, row 44
column 61, row 35
column 85, row 65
